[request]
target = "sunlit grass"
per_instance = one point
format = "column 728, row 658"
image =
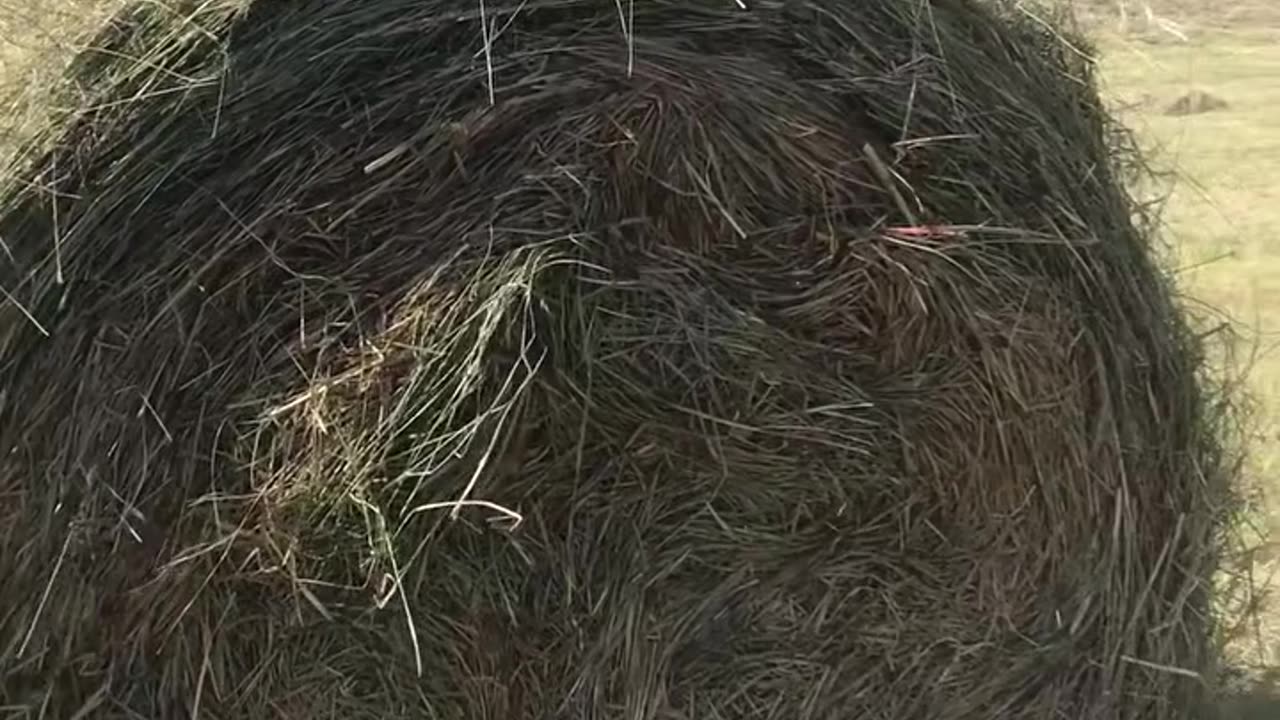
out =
column 1222, row 212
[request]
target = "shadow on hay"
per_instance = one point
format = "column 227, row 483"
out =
column 1253, row 700
column 414, row 359
column 1252, row 706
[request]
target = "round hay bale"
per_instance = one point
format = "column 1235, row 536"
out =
column 596, row 360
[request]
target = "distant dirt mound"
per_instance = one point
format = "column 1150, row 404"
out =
column 1196, row 102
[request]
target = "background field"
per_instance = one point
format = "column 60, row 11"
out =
column 1222, row 197
column 1222, row 204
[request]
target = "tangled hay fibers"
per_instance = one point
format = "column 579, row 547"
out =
column 666, row 359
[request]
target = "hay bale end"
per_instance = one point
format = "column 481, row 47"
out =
column 596, row 360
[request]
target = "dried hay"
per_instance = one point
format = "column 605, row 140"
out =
column 594, row 360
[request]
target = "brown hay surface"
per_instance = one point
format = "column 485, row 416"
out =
column 574, row 359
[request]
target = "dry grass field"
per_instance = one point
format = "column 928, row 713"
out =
column 1220, row 150
column 1222, row 204
column 1223, row 190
